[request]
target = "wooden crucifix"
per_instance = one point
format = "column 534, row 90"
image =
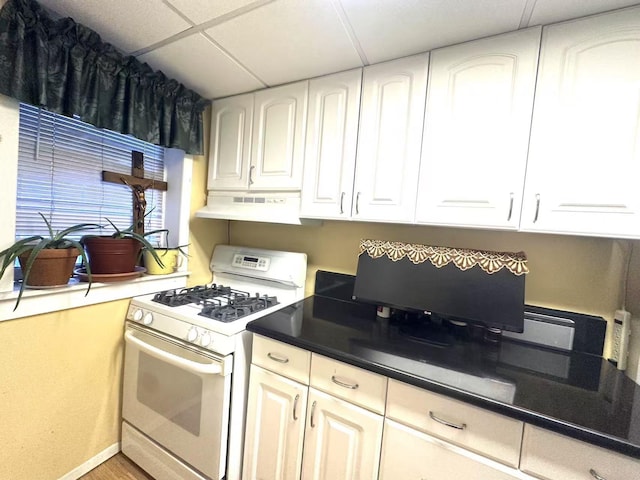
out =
column 138, row 185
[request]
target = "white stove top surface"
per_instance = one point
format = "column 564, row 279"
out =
column 190, row 314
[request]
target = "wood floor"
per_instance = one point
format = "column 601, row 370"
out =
column 117, row 467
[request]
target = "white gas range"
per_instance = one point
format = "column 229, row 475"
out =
column 187, row 364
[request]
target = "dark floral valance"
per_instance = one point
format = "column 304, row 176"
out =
column 66, row 68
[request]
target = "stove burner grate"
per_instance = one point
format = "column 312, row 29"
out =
column 237, row 307
column 198, row 295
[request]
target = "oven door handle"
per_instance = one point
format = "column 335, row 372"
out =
column 206, row 368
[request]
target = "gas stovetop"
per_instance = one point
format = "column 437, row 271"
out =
column 217, row 302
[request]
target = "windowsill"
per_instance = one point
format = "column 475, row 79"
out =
column 35, row 302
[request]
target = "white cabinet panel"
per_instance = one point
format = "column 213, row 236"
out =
column 330, row 154
column 551, row 456
column 389, row 139
column 476, row 132
column 411, row 455
column 584, row 158
column 342, row 441
column 277, row 151
column 230, row 146
column 275, row 427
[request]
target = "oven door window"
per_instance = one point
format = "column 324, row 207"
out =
column 171, row 392
column 179, row 398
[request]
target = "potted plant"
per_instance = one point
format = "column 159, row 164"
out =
column 119, row 252
column 172, row 258
column 46, row 261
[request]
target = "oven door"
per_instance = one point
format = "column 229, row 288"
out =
column 179, row 397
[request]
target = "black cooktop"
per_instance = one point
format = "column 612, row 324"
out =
column 578, row 394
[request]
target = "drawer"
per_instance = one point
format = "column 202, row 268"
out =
column 551, row 456
column 410, row 454
column 287, row 360
column 350, row 383
column 473, row 428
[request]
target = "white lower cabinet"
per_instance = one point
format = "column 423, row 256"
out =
column 408, row 454
column 275, row 427
column 342, row 441
column 551, row 456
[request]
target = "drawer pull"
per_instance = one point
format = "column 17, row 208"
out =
column 352, row 386
column 277, row 358
column 295, row 407
column 595, row 475
column 457, row 426
column 313, row 411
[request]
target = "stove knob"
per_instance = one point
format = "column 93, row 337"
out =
column 192, row 334
column 147, row 319
column 205, row 340
column 137, row 315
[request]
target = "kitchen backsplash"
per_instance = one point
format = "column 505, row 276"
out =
column 569, row 273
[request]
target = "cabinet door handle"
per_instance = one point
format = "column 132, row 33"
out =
column 341, row 203
column 535, row 218
column 251, row 174
column 358, row 203
column 352, row 386
column 277, row 358
column 457, row 426
column 313, row 411
column 295, row 407
column 595, row 475
column 510, row 206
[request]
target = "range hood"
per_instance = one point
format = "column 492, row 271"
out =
column 270, row 207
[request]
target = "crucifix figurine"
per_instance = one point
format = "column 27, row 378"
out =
column 138, row 185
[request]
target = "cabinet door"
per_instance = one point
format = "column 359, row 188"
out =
column 330, row 154
column 342, row 441
column 476, row 133
column 551, row 456
column 230, row 146
column 277, row 151
column 389, row 139
column 584, row 155
column 275, row 427
column 410, row 455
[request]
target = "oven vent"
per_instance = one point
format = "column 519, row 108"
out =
column 276, row 207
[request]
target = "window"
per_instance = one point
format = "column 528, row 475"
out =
column 60, row 164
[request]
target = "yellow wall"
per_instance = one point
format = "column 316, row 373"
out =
column 204, row 233
column 574, row 273
column 59, row 390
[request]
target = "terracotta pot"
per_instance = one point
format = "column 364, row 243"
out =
column 51, row 267
column 109, row 255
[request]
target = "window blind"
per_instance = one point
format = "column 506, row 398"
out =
column 60, row 164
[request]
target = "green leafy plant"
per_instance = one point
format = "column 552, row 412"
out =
column 130, row 233
column 37, row 243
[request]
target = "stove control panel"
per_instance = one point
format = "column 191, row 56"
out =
column 252, row 262
column 185, row 331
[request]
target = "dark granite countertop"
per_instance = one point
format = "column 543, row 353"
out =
column 576, row 394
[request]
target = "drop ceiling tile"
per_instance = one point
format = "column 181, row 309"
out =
column 129, row 25
column 201, row 11
column 551, row 11
column 200, row 65
column 288, row 40
column 390, row 29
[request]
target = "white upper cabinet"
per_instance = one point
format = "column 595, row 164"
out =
column 257, row 140
column 277, row 151
column 584, row 158
column 230, row 146
column 476, row 132
column 389, row 139
column 330, row 154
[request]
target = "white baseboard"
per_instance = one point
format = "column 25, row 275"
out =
column 92, row 463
